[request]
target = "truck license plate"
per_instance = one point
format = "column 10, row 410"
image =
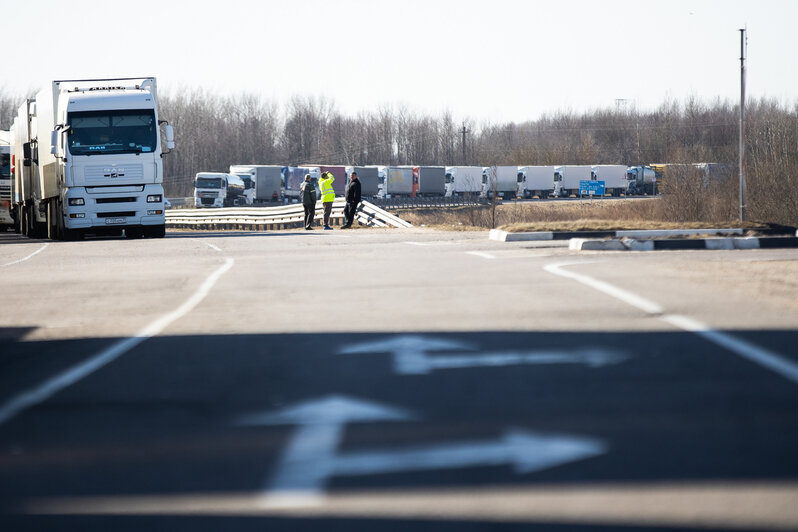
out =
column 115, row 220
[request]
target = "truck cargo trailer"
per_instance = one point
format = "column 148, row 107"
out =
column 567, row 178
column 499, row 180
column 263, row 182
column 614, row 177
column 535, row 181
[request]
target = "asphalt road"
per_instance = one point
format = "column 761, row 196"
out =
column 395, row 380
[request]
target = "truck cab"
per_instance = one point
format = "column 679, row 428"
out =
column 216, row 189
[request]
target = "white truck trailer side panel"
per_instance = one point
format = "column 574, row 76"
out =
column 567, row 179
column 538, row 180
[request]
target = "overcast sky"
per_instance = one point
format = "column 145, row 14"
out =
column 492, row 60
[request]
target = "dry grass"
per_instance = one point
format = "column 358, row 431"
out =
column 596, row 215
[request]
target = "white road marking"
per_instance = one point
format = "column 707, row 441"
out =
column 82, row 370
column 758, row 355
column 753, row 353
column 483, row 254
column 645, row 305
column 311, row 458
column 29, row 256
column 308, row 460
column 215, row 248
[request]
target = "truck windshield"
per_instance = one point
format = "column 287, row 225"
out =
column 208, row 182
column 122, row 131
column 5, row 165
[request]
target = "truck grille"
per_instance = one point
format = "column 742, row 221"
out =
column 119, row 214
column 103, row 173
column 116, row 200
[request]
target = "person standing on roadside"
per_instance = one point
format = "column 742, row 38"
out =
column 327, row 196
column 308, row 194
column 352, row 196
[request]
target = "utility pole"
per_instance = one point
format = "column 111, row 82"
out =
column 742, row 124
column 464, row 144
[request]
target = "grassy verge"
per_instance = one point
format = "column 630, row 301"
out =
column 597, row 215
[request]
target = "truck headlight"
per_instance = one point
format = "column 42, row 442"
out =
column 77, row 201
column 154, row 198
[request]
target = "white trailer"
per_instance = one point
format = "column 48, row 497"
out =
column 501, row 180
column 535, row 181
column 567, row 178
column 91, row 154
column 262, row 182
column 6, row 152
column 614, row 177
column 463, row 180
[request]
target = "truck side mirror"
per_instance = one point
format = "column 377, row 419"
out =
column 170, row 137
column 53, row 142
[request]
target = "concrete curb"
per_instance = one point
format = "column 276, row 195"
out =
column 631, row 244
column 503, row 236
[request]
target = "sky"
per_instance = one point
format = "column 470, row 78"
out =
column 490, row 61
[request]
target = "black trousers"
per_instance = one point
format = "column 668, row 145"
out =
column 349, row 212
column 310, row 212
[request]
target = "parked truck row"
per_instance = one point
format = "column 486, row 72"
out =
column 85, row 157
column 273, row 183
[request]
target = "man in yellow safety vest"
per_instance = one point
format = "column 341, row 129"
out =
column 327, row 196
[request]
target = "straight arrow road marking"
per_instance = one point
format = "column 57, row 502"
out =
column 410, row 355
column 311, row 457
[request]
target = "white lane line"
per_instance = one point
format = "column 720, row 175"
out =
column 215, row 248
column 645, row 305
column 82, row 370
column 483, row 254
column 753, row 353
column 29, row 256
column 758, row 355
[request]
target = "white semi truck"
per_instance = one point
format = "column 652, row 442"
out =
column 217, row 189
column 614, row 177
column 567, row 178
column 6, row 141
column 262, row 182
column 89, row 160
column 499, row 180
column 463, row 181
column 535, row 181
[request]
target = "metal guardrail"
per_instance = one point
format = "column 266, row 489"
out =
column 407, row 202
column 272, row 218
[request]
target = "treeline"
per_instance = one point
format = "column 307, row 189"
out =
column 215, row 131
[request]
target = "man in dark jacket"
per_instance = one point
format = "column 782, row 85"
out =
column 352, row 195
column 308, row 194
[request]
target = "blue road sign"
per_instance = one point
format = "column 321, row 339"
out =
column 591, row 188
